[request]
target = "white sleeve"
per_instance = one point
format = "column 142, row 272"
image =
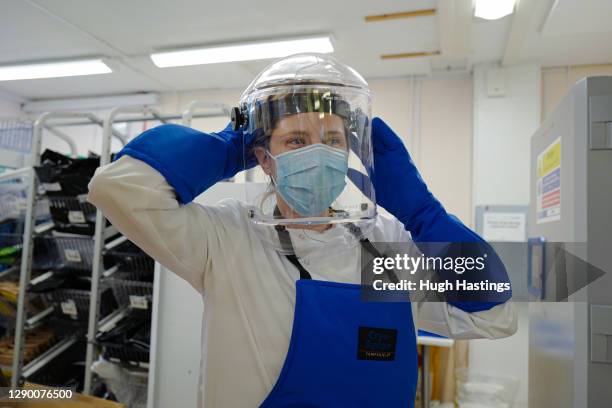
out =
column 450, row 321
column 447, row 320
column 142, row 205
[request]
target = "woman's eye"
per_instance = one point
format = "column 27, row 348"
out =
column 295, row 141
column 333, row 141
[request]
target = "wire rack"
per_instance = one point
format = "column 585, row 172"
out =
column 132, row 261
column 63, row 326
column 73, row 304
column 128, row 342
column 13, row 198
column 135, row 295
column 16, row 135
column 72, row 214
column 57, row 175
column 124, row 353
column 75, row 252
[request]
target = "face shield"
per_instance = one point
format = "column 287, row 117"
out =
column 308, row 118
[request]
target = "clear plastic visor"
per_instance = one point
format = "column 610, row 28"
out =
column 314, row 147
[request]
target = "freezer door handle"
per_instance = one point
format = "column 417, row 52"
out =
column 601, row 334
column 601, row 135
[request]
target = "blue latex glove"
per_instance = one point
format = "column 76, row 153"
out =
column 190, row 160
column 400, row 189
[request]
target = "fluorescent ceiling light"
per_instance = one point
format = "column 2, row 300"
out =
column 53, row 69
column 493, row 9
column 241, row 52
column 95, row 103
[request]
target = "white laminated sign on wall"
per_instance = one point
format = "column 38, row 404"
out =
column 504, row 226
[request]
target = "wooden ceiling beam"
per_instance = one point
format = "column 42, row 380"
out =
column 410, row 55
column 400, row 15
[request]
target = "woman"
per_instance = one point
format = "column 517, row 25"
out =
column 284, row 322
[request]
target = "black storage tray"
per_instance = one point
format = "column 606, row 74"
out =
column 130, row 258
column 61, row 175
column 75, row 253
column 128, row 342
column 135, row 295
column 124, row 353
column 72, row 214
column 73, row 304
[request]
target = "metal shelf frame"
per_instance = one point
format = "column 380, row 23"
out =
column 163, row 118
column 194, row 106
column 46, row 121
column 99, row 234
column 126, row 115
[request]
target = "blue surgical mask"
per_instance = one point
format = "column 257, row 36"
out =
column 311, row 178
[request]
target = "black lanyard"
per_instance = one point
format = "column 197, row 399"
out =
column 287, row 245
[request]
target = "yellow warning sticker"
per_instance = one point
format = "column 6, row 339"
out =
column 550, row 159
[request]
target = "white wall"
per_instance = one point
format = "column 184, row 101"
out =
column 392, row 102
column 444, row 150
column 502, row 131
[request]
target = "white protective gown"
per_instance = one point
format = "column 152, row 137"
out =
column 249, row 286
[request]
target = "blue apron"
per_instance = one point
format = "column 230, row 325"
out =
column 345, row 352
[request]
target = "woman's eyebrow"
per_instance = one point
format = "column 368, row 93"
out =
column 289, row 133
column 303, row 133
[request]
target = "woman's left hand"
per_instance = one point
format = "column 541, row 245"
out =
column 399, row 187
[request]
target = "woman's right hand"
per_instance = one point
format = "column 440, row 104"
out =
column 190, row 160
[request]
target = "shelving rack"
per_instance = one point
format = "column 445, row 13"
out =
column 126, row 115
column 98, row 267
column 51, row 122
column 11, row 218
column 44, row 122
